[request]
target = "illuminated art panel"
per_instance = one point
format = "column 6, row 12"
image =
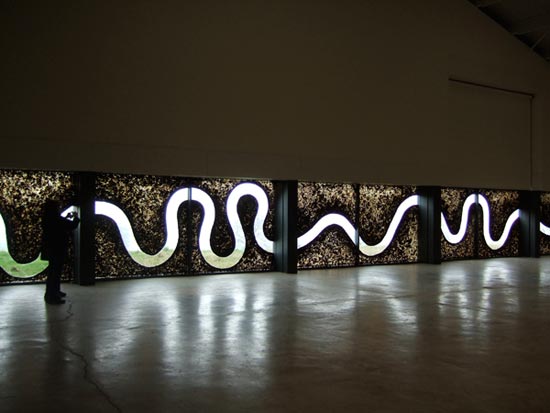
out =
column 492, row 217
column 460, row 212
column 232, row 226
column 155, row 225
column 159, row 226
column 544, row 244
column 143, row 200
column 379, row 207
column 23, row 194
column 499, row 234
column 332, row 208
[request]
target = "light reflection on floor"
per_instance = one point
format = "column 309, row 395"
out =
column 470, row 333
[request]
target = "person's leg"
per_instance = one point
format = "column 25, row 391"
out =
column 50, row 283
column 53, row 281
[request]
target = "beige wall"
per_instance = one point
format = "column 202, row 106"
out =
column 343, row 90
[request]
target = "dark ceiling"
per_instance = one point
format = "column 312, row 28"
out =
column 527, row 20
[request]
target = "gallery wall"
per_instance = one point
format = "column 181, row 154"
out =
column 347, row 91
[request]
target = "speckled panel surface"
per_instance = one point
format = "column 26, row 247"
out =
column 222, row 240
column 544, row 244
column 22, row 197
column 332, row 248
column 502, row 205
column 143, row 198
column 377, row 207
column 452, row 201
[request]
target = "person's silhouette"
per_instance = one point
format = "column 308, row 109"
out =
column 56, row 232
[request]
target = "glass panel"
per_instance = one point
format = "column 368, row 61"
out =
column 545, row 221
column 499, row 233
column 23, row 196
column 385, row 243
column 458, row 211
column 232, row 226
column 144, row 201
column 326, row 225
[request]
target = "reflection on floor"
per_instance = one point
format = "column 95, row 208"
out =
column 463, row 336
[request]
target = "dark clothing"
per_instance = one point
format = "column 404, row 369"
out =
column 56, row 232
column 53, row 277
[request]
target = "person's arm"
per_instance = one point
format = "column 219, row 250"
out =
column 70, row 225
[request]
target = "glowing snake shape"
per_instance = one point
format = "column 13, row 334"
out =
column 172, row 232
column 351, row 231
column 482, row 201
column 459, row 236
column 28, row 270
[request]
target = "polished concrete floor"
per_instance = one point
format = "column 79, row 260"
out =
column 471, row 336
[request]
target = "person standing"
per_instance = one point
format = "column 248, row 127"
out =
column 56, row 232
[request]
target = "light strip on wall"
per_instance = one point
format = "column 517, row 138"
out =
column 28, row 270
column 325, row 222
column 342, row 222
column 459, row 236
column 372, row 250
column 482, row 201
column 491, row 243
column 172, row 232
column 544, row 229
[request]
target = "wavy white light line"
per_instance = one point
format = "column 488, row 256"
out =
column 325, row 222
column 28, row 270
column 351, row 231
column 482, row 201
column 392, row 229
column 544, row 229
column 459, row 236
column 172, row 232
column 234, row 222
column 495, row 244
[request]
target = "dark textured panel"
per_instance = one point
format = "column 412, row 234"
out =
column 545, row 219
column 502, row 205
column 222, row 239
column 452, row 202
column 332, row 248
column 23, row 194
column 377, row 207
column 143, row 198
